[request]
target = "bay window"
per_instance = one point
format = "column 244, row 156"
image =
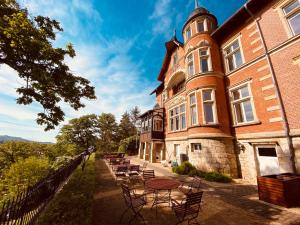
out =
column 209, row 106
column 190, row 65
column 193, row 109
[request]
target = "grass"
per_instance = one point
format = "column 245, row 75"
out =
column 73, row 204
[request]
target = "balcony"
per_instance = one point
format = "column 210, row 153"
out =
column 152, row 125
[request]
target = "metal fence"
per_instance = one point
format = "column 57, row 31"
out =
column 25, row 207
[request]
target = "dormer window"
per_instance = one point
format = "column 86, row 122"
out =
column 188, row 33
column 200, row 26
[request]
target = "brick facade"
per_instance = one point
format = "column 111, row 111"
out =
column 253, row 103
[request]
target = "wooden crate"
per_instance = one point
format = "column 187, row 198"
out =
column 283, row 189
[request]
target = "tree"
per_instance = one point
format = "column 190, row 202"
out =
column 25, row 46
column 126, row 127
column 81, row 131
column 24, row 173
column 135, row 113
column 108, row 129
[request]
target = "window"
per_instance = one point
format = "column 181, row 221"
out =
column 188, row 33
column 190, row 65
column 196, row 147
column 177, row 118
column 292, row 14
column 179, row 87
column 204, row 60
column 209, row 106
column 200, row 26
column 176, row 150
column 175, row 58
column 193, row 109
column 242, row 104
column 267, row 151
column 233, row 56
column 157, row 124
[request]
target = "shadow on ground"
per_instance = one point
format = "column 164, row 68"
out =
column 222, row 204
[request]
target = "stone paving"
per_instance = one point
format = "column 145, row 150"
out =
column 232, row 204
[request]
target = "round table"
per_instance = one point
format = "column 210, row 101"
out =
column 161, row 184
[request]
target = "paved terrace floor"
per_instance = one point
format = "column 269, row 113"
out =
column 232, row 204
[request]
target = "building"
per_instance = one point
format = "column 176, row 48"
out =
column 229, row 96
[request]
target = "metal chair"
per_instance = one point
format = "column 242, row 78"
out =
column 187, row 187
column 147, row 175
column 188, row 209
column 134, row 170
column 133, row 202
column 144, row 166
column 120, row 171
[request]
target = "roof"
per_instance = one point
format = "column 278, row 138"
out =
column 158, row 89
column 239, row 18
column 199, row 11
column 170, row 46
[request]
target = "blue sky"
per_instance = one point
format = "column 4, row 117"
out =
column 119, row 46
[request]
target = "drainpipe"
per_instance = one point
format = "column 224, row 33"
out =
column 277, row 90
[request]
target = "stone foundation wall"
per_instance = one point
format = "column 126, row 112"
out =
column 248, row 160
column 215, row 155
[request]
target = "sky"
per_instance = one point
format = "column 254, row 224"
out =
column 119, row 47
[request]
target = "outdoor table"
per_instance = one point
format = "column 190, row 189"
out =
column 161, row 184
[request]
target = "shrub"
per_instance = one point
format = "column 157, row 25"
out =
column 217, row 177
column 184, row 169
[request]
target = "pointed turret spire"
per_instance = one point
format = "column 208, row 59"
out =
column 196, row 4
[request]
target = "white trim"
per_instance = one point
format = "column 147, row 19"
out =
column 257, row 49
column 255, row 40
column 196, row 104
column 270, row 97
column 265, row 77
column 273, row 108
column 275, row 119
column 179, row 116
column 215, row 114
column 253, row 33
column 264, row 88
column 233, row 102
column 250, row 26
column 187, row 64
column 263, row 68
column 208, row 56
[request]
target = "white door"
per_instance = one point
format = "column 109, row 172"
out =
column 267, row 160
column 177, row 153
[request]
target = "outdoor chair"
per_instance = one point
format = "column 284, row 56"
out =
column 134, row 170
column 144, row 166
column 147, row 175
column 121, row 171
column 187, row 187
column 126, row 161
column 188, row 209
column 134, row 202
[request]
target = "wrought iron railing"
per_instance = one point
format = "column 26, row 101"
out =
column 25, row 207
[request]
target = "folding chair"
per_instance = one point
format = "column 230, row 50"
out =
column 133, row 202
column 188, row 209
column 187, row 187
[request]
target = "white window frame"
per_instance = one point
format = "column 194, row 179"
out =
column 189, row 62
column 204, row 21
column 186, row 32
column 208, row 56
column 175, row 54
column 193, row 105
column 196, row 150
column 233, row 102
column 172, row 118
column 225, row 55
column 213, row 100
column 290, row 15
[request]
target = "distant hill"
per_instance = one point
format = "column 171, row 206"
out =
column 4, row 138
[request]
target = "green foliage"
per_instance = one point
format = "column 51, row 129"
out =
column 108, row 133
column 82, row 132
column 184, row 169
column 128, row 144
column 73, row 205
column 187, row 168
column 26, row 46
column 126, row 127
column 217, row 177
column 24, row 173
